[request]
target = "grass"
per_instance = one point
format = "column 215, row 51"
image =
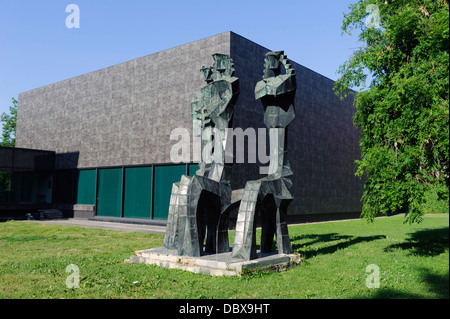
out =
column 413, row 262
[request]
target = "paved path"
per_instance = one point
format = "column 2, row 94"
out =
column 143, row 228
column 130, row 227
column 136, row 227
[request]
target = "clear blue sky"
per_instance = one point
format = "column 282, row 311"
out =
column 36, row 47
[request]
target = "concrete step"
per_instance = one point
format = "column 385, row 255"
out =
column 214, row 264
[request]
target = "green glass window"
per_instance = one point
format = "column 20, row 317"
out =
column 5, row 187
column 86, row 187
column 26, row 187
column 165, row 176
column 193, row 168
column 109, row 202
column 138, row 192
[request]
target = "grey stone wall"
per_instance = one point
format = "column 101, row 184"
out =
column 323, row 143
column 120, row 115
column 123, row 115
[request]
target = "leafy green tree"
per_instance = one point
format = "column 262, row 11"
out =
column 402, row 114
column 9, row 125
column 9, row 140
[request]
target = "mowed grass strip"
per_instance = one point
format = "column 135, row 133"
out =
column 412, row 261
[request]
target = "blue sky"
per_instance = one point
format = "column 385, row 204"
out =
column 37, row 49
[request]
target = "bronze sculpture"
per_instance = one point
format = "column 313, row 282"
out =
column 202, row 202
column 270, row 196
column 197, row 202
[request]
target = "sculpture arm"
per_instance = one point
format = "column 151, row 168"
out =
column 222, row 112
column 275, row 86
column 279, row 84
column 198, row 123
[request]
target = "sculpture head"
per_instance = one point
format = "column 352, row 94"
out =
column 207, row 73
column 223, row 66
column 220, row 61
column 272, row 63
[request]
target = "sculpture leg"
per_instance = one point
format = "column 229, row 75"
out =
column 222, row 241
column 283, row 241
column 189, row 194
column 244, row 246
column 212, row 213
column 201, row 224
column 194, row 212
column 171, row 237
column 268, row 212
column 223, row 244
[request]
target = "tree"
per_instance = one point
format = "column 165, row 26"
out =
column 9, row 140
column 403, row 113
column 9, row 125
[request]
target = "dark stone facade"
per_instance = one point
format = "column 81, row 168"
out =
column 123, row 115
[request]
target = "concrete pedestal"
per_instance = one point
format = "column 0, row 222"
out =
column 214, row 264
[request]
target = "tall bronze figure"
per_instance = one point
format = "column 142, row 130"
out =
column 270, row 196
column 199, row 204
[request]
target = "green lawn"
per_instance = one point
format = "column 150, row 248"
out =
column 413, row 262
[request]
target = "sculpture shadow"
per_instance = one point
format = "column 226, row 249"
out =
column 302, row 243
column 427, row 242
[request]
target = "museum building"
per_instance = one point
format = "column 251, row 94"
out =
column 107, row 137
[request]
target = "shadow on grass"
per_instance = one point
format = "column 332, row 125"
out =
column 427, row 242
column 299, row 245
column 436, row 284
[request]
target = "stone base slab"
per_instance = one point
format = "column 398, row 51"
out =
column 214, row 264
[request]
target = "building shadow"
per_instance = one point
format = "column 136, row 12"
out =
column 427, row 242
column 65, row 177
column 33, row 181
column 68, row 160
column 299, row 243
